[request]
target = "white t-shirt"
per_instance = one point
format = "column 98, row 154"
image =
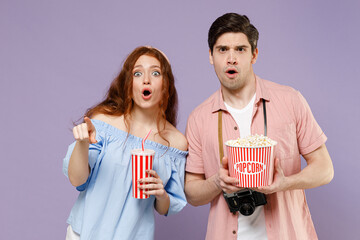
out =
column 253, row 226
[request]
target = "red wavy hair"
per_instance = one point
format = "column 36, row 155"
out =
column 118, row 100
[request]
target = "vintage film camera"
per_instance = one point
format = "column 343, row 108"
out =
column 244, row 201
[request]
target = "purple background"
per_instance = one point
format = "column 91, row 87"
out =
column 58, row 57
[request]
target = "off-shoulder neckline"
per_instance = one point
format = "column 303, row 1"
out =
column 119, row 132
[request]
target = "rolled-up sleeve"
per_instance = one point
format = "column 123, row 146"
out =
column 94, row 153
column 310, row 135
column 194, row 162
column 175, row 186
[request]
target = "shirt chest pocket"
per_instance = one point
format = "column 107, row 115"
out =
column 285, row 136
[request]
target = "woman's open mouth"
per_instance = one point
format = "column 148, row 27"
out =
column 146, row 93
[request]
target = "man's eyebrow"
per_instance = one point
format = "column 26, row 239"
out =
column 221, row 46
column 242, row 46
column 227, row 47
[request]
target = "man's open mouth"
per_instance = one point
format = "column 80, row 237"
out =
column 231, row 71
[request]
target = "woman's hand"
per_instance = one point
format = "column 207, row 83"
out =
column 85, row 132
column 153, row 185
column 79, row 169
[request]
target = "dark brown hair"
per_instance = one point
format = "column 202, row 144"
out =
column 118, row 100
column 233, row 22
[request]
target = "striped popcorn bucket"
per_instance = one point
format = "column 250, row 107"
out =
column 252, row 166
column 141, row 161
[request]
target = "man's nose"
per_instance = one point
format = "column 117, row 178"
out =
column 232, row 58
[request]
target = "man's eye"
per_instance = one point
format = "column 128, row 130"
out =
column 137, row 74
column 241, row 49
column 222, row 49
column 156, row 73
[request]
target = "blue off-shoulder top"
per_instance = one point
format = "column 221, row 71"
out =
column 105, row 208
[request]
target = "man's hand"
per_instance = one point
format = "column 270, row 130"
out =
column 224, row 181
column 279, row 183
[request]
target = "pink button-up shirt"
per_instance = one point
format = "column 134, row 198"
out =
column 290, row 123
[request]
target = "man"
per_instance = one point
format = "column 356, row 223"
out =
column 232, row 51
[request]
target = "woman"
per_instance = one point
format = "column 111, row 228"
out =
column 142, row 98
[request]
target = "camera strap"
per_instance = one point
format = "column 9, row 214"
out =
column 221, row 148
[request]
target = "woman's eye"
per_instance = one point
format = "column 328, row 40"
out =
column 156, row 73
column 137, row 74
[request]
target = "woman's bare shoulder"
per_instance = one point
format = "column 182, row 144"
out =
column 176, row 138
column 116, row 121
column 103, row 117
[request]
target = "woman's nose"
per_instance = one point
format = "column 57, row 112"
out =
column 146, row 79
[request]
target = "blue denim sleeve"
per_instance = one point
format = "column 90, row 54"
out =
column 94, row 153
column 175, row 187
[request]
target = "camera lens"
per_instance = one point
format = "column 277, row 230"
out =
column 247, row 208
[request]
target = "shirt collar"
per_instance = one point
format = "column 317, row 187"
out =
column 261, row 93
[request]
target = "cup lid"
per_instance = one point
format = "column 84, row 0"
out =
column 141, row 152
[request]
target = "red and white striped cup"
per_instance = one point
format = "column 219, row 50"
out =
column 252, row 166
column 141, row 161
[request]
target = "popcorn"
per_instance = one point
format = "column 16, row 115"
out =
column 251, row 160
column 251, row 141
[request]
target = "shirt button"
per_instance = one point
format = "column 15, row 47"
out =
column 234, row 232
column 235, row 128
